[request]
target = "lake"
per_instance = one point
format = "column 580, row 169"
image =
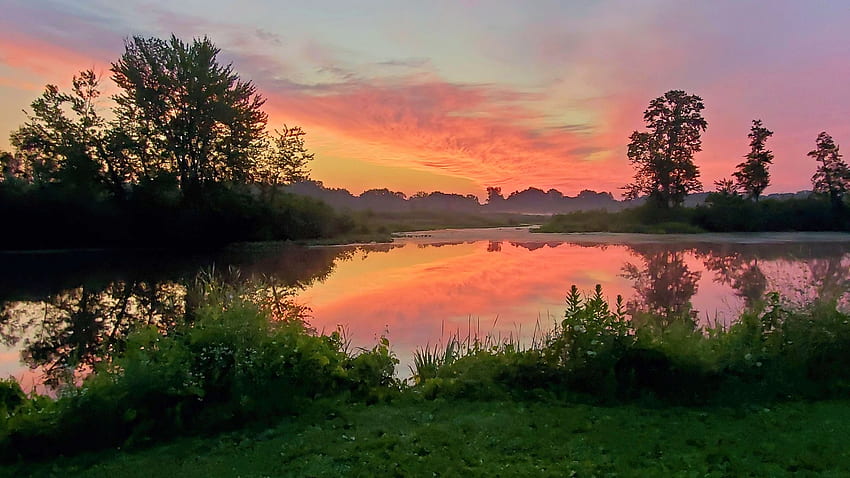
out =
column 59, row 308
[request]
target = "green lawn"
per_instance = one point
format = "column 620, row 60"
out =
column 501, row 438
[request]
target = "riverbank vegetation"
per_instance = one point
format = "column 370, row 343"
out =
column 244, row 358
column 720, row 213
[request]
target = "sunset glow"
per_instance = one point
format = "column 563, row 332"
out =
column 458, row 96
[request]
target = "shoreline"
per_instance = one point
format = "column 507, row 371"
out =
column 525, row 234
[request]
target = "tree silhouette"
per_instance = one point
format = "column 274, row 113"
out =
column 494, row 196
column 65, row 139
column 663, row 156
column 726, row 187
column 752, row 176
column 284, row 159
column 832, row 176
column 186, row 112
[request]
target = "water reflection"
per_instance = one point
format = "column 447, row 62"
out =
column 66, row 314
column 61, row 313
column 72, row 330
column 664, row 286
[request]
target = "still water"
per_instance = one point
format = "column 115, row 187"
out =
column 60, row 309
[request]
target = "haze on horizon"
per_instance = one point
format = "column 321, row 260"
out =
column 458, row 96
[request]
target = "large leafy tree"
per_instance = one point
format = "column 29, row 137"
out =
column 752, row 176
column 184, row 112
column 663, row 157
column 832, row 176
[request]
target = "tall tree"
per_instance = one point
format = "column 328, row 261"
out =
column 186, row 112
column 752, row 176
column 832, row 176
column 663, row 156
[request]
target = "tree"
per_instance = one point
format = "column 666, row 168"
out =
column 494, row 196
column 63, row 139
column 726, row 187
column 752, row 176
column 663, row 156
column 285, row 159
column 832, row 176
column 183, row 112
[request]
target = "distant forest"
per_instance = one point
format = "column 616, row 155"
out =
column 528, row 201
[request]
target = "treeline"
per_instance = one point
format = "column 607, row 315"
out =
column 528, row 201
column 183, row 156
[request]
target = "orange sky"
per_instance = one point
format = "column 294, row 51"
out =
column 457, row 96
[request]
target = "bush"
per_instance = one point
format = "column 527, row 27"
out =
column 771, row 353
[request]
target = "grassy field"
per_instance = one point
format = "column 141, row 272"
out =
column 500, row 438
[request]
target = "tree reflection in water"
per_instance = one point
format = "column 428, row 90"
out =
column 64, row 334
column 69, row 332
column 664, row 286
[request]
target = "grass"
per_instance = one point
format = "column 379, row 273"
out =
column 499, row 438
column 642, row 220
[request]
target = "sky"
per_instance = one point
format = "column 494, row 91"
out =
column 460, row 95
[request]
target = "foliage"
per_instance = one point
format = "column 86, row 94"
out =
column 285, row 160
column 721, row 212
column 752, row 175
column 153, row 216
column 645, row 219
column 731, row 213
column 726, row 187
column 184, row 159
column 832, row 176
column 663, row 156
column 64, row 139
column 184, row 110
column 771, row 353
column 590, row 334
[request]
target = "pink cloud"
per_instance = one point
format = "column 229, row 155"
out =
column 482, row 132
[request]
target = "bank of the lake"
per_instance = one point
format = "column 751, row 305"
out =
column 534, row 234
column 720, row 213
column 499, row 438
